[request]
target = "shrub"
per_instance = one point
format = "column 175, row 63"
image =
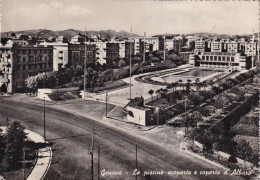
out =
column 232, row 159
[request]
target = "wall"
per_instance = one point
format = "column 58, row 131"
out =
column 139, row 116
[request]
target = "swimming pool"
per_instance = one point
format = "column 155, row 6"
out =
column 192, row 74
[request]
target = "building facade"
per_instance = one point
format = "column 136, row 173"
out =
column 76, row 54
column 19, row 62
column 219, row 60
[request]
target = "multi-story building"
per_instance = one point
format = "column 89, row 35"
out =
column 19, row 62
column 76, row 54
column 219, row 60
column 121, row 49
column 101, row 52
column 77, row 39
column 200, row 46
column 129, row 47
column 112, row 52
column 136, row 45
column 154, row 41
column 250, row 48
column 177, row 45
column 216, row 46
column 232, row 47
column 60, row 55
column 168, row 44
column 145, row 47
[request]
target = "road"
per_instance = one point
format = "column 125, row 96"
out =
column 70, row 137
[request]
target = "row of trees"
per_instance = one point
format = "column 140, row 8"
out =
column 53, row 78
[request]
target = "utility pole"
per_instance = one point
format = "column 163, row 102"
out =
column 186, row 123
column 24, row 163
column 92, row 156
column 136, row 160
column 98, row 162
column 144, row 49
column 106, row 104
column 7, row 120
column 85, row 61
column 57, row 86
column 44, row 125
column 164, row 48
column 130, row 65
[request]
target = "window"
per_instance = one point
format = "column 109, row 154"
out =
column 232, row 59
column 228, row 58
column 215, row 58
column 18, row 68
column 211, row 58
column 223, row 58
column 219, row 58
column 207, row 58
column 24, row 67
column 23, row 59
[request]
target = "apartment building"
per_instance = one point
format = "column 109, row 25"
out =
column 19, row 62
column 250, row 48
column 76, row 54
column 101, row 52
column 154, row 41
column 112, row 52
column 177, row 45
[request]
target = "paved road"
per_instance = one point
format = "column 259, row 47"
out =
column 70, row 136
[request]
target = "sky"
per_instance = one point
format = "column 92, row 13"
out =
column 150, row 16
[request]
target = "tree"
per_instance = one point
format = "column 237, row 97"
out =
column 195, row 98
column 180, row 83
column 151, row 93
column 244, row 150
column 197, row 83
column 221, row 102
column 188, row 85
column 15, row 140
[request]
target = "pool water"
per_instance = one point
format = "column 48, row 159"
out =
column 198, row 73
column 191, row 75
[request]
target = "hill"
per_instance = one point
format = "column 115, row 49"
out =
column 45, row 33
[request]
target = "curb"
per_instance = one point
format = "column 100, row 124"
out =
column 44, row 158
column 39, row 171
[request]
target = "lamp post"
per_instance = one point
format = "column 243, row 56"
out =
column 164, row 48
column 85, row 60
column 44, row 126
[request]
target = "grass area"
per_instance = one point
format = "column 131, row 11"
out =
column 92, row 109
column 110, row 85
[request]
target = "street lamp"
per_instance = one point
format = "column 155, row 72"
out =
column 44, row 126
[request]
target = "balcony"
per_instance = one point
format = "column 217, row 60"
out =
column 6, row 63
column 4, row 80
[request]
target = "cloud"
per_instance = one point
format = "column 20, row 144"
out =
column 56, row 5
column 152, row 17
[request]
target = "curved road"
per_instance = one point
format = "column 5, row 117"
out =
column 70, row 136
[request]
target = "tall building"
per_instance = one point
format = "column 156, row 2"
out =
column 101, row 52
column 177, row 45
column 112, row 52
column 127, row 48
column 216, row 46
column 169, row 44
column 232, row 47
column 19, row 62
column 76, row 54
column 251, row 48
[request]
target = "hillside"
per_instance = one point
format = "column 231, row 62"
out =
column 45, row 33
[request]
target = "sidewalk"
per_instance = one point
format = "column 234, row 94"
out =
column 44, row 156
